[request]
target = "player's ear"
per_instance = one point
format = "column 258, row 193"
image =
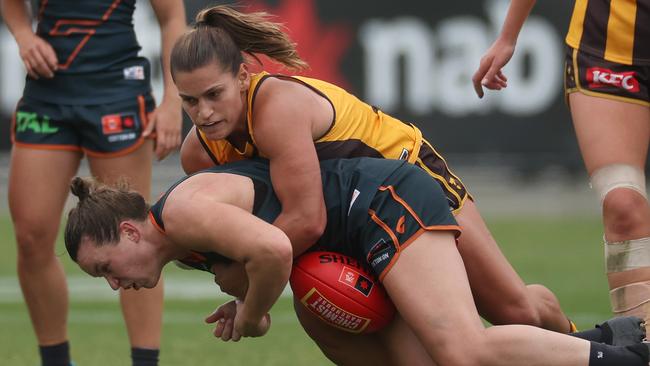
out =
column 244, row 77
column 130, row 230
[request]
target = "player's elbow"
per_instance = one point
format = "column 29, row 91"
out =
column 313, row 225
column 278, row 250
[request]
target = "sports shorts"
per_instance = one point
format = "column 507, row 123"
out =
column 595, row 76
column 101, row 130
column 408, row 203
column 435, row 165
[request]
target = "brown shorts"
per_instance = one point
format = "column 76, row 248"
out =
column 597, row 77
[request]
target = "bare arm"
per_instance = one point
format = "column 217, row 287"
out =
column 197, row 220
column 38, row 56
column 193, row 155
column 167, row 119
column 489, row 73
column 284, row 113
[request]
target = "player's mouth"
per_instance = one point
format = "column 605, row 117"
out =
column 209, row 125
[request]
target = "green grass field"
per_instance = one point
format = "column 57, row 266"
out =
column 564, row 254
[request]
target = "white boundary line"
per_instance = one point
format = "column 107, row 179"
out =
column 82, row 288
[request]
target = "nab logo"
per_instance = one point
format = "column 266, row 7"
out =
column 600, row 77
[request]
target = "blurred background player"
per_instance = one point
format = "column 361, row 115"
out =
column 295, row 121
column 219, row 220
column 607, row 80
column 87, row 93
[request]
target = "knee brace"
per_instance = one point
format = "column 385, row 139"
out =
column 613, row 176
column 625, row 256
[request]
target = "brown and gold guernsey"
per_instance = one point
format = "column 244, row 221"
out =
column 358, row 130
column 614, row 30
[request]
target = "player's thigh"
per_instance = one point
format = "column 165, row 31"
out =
column 494, row 282
column 341, row 347
column 610, row 131
column 429, row 287
column 402, row 345
column 134, row 168
column 39, row 182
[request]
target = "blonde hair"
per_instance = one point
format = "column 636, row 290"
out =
column 224, row 34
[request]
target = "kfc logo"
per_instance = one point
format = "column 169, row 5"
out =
column 600, row 77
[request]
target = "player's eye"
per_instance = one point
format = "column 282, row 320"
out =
column 213, row 94
column 189, row 100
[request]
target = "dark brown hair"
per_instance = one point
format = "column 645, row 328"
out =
column 223, row 34
column 98, row 213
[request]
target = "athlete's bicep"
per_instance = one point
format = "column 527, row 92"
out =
column 283, row 133
column 198, row 222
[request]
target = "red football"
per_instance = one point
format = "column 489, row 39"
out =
column 341, row 292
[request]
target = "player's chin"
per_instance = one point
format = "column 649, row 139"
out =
column 151, row 284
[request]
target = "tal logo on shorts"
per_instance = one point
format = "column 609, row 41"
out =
column 599, row 77
column 31, row 121
column 355, row 280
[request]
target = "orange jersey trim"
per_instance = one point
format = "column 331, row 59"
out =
column 89, row 32
column 155, row 223
column 397, row 198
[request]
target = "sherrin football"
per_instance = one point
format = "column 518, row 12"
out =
column 341, row 292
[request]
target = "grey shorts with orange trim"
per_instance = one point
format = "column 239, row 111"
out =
column 408, row 203
column 597, row 77
column 102, row 130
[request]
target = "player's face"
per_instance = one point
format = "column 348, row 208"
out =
column 127, row 264
column 215, row 99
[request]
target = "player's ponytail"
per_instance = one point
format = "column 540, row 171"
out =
column 99, row 212
column 222, row 34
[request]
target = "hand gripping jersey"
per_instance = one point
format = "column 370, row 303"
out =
column 375, row 208
column 97, row 52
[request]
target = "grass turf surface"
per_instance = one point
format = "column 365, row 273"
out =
column 564, row 254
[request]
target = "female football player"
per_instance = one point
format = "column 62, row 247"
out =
column 219, row 220
column 607, row 84
column 87, row 92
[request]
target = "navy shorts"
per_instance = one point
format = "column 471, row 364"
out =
column 102, row 130
column 408, row 203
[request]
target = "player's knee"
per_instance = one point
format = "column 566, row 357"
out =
column 523, row 309
column 624, row 210
column 34, row 243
